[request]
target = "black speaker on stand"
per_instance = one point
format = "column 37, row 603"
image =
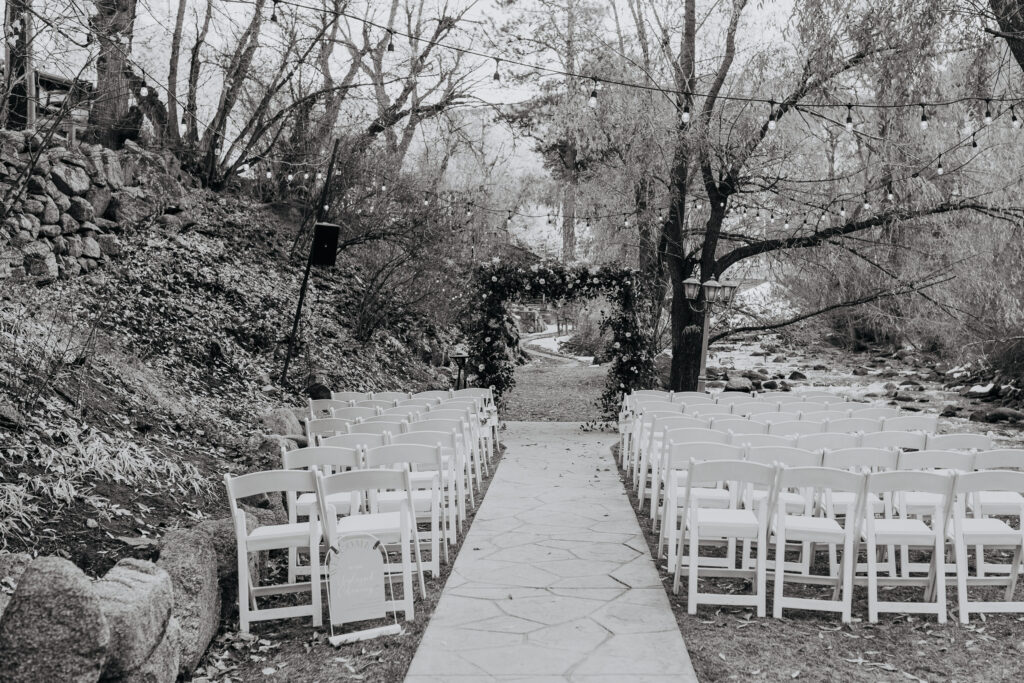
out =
column 324, row 250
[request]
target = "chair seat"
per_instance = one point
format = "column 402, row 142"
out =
column 988, row 531
column 423, row 478
column 714, row 522
column 377, row 523
column 706, row 497
column 998, row 502
column 421, row 499
column 844, row 499
column 903, row 532
column 918, row 502
column 795, row 502
column 306, row 503
column 275, row 536
column 805, row 528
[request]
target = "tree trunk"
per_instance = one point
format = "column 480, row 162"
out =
column 1010, row 16
column 112, row 25
column 569, row 218
column 191, row 105
column 17, row 88
column 172, row 132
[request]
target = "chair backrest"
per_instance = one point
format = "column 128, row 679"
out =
column 990, row 480
column 327, row 425
column 784, row 455
column 814, row 442
column 359, row 481
column 865, row 425
column 440, row 425
column 663, row 395
column 757, row 440
column 423, row 403
column 1001, row 459
column 387, row 418
column 711, row 471
column 375, row 403
column 410, row 412
column 379, row 428
column 887, row 439
column 692, row 397
column 907, row 423
column 474, row 404
column 794, row 427
column 474, row 392
column 679, row 455
column 821, row 478
column 910, row 480
column 349, row 395
column 443, row 413
column 824, row 415
column 433, row 394
column 661, row 424
column 751, row 407
column 787, row 398
column 821, row 396
column 268, row 481
column 936, row 460
column 738, row 425
column 322, row 407
column 806, row 407
column 694, row 435
column 707, row 409
column 861, row 459
column 353, row 413
column 727, row 397
column 658, row 406
column 327, row 459
column 391, row 395
column 353, row 440
column 421, row 455
column 958, row 442
column 874, row 411
column 776, row 416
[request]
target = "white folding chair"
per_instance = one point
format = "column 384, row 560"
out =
column 477, row 434
column 821, row 396
column 901, row 440
column 913, row 532
column 655, row 440
column 958, row 442
column 911, row 423
column 324, row 407
column 326, row 426
column 652, row 468
column 692, row 397
column 640, row 437
column 437, row 394
column 808, row 407
column 274, row 537
column 787, row 398
column 410, row 413
column 848, row 425
column 808, row 530
column 379, row 427
column 352, row 413
column 325, row 459
column 874, row 412
column 748, row 408
column 427, row 469
column 393, row 418
column 349, row 395
column 732, row 397
column 674, row 464
column 375, row 403
column 756, row 440
column 387, row 527
column 391, row 395
column 354, row 440
column 987, row 532
column 715, row 525
column 824, row 415
column 796, row 428
column 424, row 404
column 775, row 416
column 471, row 454
column 453, row 480
column 709, row 409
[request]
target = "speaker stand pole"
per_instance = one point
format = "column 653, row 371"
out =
column 318, row 214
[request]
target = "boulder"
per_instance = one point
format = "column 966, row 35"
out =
column 860, row 372
column 71, row 180
column 91, row 248
column 50, row 231
column 983, row 390
column 796, row 375
column 779, row 359
column 130, row 208
column 222, row 534
column 81, row 209
column 136, row 598
column 10, row 259
column 106, row 225
column 115, row 174
column 281, row 421
column 164, row 662
column 53, row 628
column 110, row 245
column 1004, row 414
column 739, row 384
column 36, row 185
column 770, row 385
column 51, row 214
column 32, row 206
column 950, row 410
column 190, row 558
column 68, row 225
column 43, row 266
column 12, row 566
column 74, row 245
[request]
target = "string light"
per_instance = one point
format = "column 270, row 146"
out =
column 497, row 66
column 889, row 195
column 939, row 169
column 1014, row 121
column 849, row 118
column 593, row 96
column 786, row 224
column 290, row 177
column 686, row 113
column 842, row 210
column 771, row 117
column 391, row 40
column 924, row 119
column 867, row 204
column 988, row 112
column 305, row 176
column 143, row 91
column 269, row 175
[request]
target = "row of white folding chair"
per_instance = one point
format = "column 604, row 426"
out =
column 432, row 477
column 754, row 522
column 309, row 535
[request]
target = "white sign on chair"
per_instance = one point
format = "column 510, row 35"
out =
column 356, row 582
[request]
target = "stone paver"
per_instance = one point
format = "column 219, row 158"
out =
column 554, row 582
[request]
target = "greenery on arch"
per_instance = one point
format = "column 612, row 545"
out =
column 495, row 340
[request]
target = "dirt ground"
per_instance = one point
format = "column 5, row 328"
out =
column 552, row 389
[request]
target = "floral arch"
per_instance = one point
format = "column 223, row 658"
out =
column 495, row 340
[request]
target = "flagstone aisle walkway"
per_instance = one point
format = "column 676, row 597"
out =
column 554, row 581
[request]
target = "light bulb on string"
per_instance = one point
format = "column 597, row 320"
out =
column 305, row 176
column 686, row 113
column 426, row 199
column 391, row 40
column 889, row 195
column 867, row 204
column 771, row 218
column 924, row 119
column 143, row 91
column 383, row 187
column 939, row 169
column 469, row 212
column 974, row 141
column 849, row 118
column 988, row 112
column 786, row 224
column 771, row 117
column 842, row 210
column 625, row 221
column 1014, row 121
column 592, row 102
column 269, row 175
column 290, row 177
column 319, row 176
column 497, row 72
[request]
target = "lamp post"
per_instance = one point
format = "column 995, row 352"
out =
column 701, row 298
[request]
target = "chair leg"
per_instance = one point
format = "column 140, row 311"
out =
column 780, row 573
column 872, row 580
column 849, row 558
column 244, row 594
column 1011, row 584
column 961, row 580
column 939, row 567
column 762, row 570
column 293, row 563
column 691, row 577
column 315, row 586
column 407, row 594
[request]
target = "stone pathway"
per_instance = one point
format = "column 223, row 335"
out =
column 554, row 581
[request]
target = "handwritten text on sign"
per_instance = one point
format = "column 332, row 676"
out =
column 357, row 581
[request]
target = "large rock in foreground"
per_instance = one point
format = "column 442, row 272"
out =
column 136, row 598
column 190, row 558
column 53, row 628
